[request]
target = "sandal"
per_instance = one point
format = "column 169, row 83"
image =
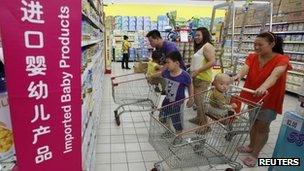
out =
column 250, row 161
column 244, row 149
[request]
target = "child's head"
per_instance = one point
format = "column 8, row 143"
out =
column 222, row 82
column 172, row 60
column 156, row 55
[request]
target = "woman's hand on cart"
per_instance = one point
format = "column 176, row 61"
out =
column 190, row 102
column 260, row 91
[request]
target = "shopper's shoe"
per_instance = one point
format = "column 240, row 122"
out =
column 250, row 161
column 128, row 68
column 194, row 120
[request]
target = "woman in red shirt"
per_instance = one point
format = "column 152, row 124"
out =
column 266, row 71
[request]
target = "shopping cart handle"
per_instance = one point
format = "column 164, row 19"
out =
column 244, row 89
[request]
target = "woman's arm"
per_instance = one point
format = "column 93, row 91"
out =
column 244, row 71
column 271, row 80
column 191, row 94
column 209, row 53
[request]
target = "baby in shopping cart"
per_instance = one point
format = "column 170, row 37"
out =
column 153, row 68
column 220, row 102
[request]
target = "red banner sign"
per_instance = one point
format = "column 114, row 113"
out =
column 42, row 53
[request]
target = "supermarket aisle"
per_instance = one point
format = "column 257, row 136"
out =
column 127, row 148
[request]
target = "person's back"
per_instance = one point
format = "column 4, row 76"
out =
column 163, row 46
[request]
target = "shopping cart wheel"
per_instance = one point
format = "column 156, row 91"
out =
column 157, row 167
column 229, row 136
column 117, row 119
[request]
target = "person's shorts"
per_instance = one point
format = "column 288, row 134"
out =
column 267, row 115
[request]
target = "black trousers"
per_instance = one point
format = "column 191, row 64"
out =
column 125, row 60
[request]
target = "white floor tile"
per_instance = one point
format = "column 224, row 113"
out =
column 119, row 167
column 130, row 138
column 117, row 139
column 118, row 158
column 132, row 147
column 118, row 148
column 145, row 146
column 103, row 148
column 150, row 156
column 134, row 157
column 103, row 158
column 191, row 169
column 104, row 139
column 137, row 166
column 149, row 165
column 103, row 167
column 105, row 131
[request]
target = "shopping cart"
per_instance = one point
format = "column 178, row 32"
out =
column 206, row 144
column 133, row 93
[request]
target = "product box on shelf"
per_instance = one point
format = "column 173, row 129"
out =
column 6, row 139
column 296, row 16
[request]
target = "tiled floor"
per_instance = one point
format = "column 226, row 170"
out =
column 126, row 147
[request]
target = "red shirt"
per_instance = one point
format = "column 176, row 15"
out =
column 257, row 76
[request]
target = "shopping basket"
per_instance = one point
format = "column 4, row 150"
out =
column 204, row 145
column 133, row 93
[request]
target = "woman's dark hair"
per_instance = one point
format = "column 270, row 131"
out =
column 206, row 38
column 272, row 38
column 125, row 37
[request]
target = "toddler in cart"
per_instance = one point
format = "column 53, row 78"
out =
column 177, row 80
column 220, row 103
column 153, row 68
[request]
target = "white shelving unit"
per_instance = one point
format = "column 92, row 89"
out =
column 91, row 78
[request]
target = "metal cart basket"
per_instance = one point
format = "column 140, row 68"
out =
column 133, row 93
column 210, row 144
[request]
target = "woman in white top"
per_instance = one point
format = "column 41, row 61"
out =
column 201, row 70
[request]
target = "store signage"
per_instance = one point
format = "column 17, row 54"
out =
column 42, row 53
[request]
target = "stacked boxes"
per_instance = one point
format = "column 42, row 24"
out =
column 139, row 23
column 132, row 23
column 125, row 23
column 147, row 23
column 153, row 25
column 162, row 22
column 118, row 22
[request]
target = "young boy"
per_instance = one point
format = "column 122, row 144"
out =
column 177, row 80
column 154, row 68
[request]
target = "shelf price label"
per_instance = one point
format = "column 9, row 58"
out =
column 42, row 53
column 293, row 123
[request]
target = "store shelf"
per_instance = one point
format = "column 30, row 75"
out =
column 292, row 91
column 289, row 32
column 90, row 42
column 294, row 83
column 295, row 72
column 294, row 42
column 299, row 53
column 92, row 21
column 295, row 62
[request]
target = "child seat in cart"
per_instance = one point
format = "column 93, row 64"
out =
column 207, row 144
column 133, row 93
